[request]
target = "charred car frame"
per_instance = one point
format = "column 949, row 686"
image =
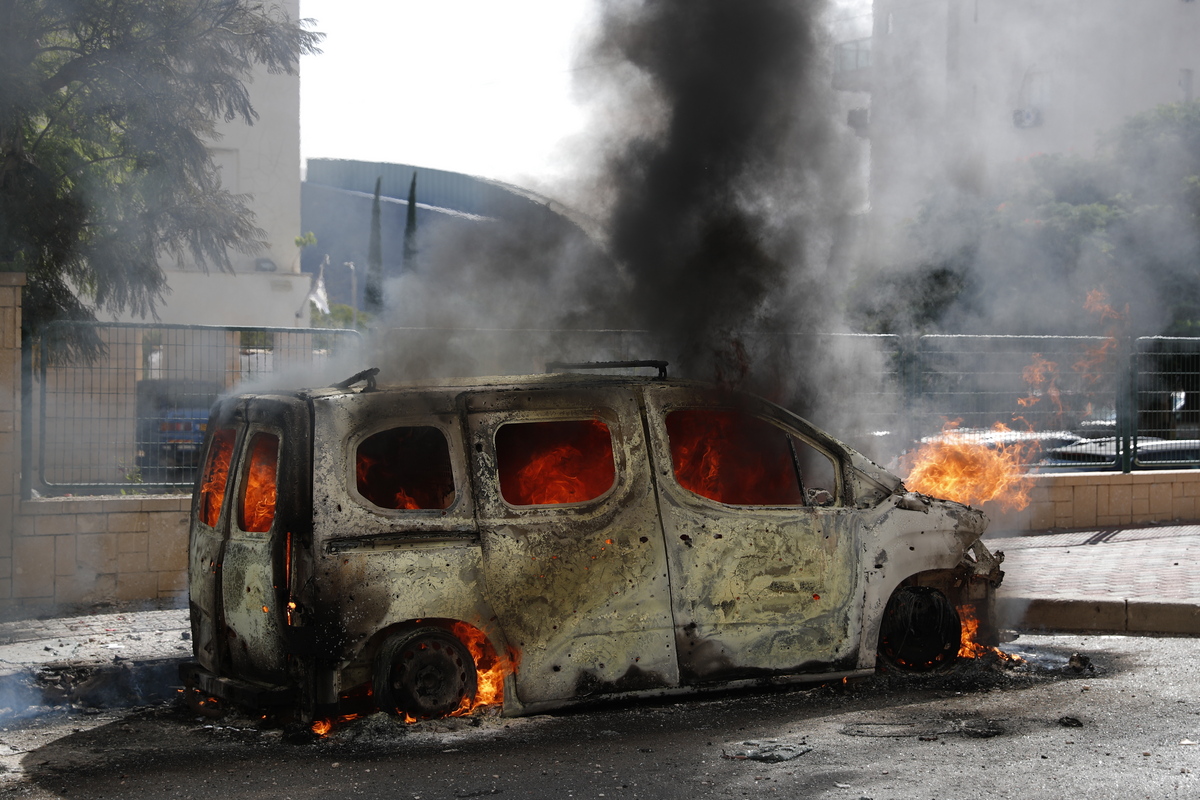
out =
column 543, row 540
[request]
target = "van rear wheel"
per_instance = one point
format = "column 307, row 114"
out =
column 425, row 674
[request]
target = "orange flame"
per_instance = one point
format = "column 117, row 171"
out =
column 258, row 503
column 957, row 468
column 549, row 463
column 490, row 668
column 216, row 476
column 1097, row 303
column 732, row 457
column 1042, row 371
column 324, row 727
column 971, row 647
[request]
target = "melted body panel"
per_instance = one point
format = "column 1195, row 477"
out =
column 373, row 568
column 252, row 577
column 756, row 589
column 581, row 590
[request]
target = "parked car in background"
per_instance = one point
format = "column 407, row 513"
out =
column 172, row 417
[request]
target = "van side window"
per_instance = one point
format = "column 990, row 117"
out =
column 554, row 463
column 734, row 458
column 260, row 484
column 216, row 476
column 405, row 468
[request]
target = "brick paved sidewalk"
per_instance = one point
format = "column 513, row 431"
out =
column 94, row 639
column 1135, row 580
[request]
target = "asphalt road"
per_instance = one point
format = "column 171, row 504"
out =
column 1124, row 727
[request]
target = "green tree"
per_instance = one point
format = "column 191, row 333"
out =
column 1021, row 260
column 107, row 108
column 373, row 291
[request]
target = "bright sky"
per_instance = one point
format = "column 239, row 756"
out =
column 475, row 86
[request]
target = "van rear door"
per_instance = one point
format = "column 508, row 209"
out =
column 241, row 564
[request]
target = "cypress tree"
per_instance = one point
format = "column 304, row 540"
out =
column 373, row 292
column 410, row 228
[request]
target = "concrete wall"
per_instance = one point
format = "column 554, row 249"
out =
column 77, row 550
column 1104, row 500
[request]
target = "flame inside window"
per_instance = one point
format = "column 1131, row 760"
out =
column 216, row 476
column 258, row 496
column 405, row 468
column 553, row 463
column 733, row 458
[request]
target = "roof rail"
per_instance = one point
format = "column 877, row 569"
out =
column 567, row 366
column 367, row 375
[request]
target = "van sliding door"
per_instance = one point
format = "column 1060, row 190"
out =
column 573, row 556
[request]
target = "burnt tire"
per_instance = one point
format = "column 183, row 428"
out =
column 921, row 631
column 424, row 673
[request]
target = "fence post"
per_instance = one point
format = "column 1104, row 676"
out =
column 1127, row 406
column 26, row 416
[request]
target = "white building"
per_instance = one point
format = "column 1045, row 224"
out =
column 263, row 161
column 963, row 89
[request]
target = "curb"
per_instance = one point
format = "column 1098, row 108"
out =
column 1119, row 616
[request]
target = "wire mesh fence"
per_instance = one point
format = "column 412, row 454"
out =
column 131, row 416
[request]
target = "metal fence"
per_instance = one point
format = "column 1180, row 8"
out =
column 131, row 417
column 1079, row 402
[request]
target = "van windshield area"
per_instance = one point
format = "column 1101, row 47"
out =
column 405, row 469
column 554, row 463
column 734, row 458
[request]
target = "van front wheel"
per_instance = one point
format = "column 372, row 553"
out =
column 423, row 674
column 921, row 631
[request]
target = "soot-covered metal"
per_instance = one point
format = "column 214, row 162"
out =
column 540, row 541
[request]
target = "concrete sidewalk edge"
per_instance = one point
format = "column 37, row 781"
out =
column 1095, row 616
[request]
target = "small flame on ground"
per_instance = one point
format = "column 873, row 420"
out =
column 955, row 467
column 971, row 647
column 323, row 727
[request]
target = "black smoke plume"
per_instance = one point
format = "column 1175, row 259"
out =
column 724, row 176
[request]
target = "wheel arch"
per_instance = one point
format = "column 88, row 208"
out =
column 492, row 651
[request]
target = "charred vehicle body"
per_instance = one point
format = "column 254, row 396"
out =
column 545, row 540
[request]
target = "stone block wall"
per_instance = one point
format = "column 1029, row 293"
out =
column 11, row 284
column 87, row 550
column 1104, row 500
column 77, row 551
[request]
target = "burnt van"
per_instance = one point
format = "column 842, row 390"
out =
column 541, row 541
